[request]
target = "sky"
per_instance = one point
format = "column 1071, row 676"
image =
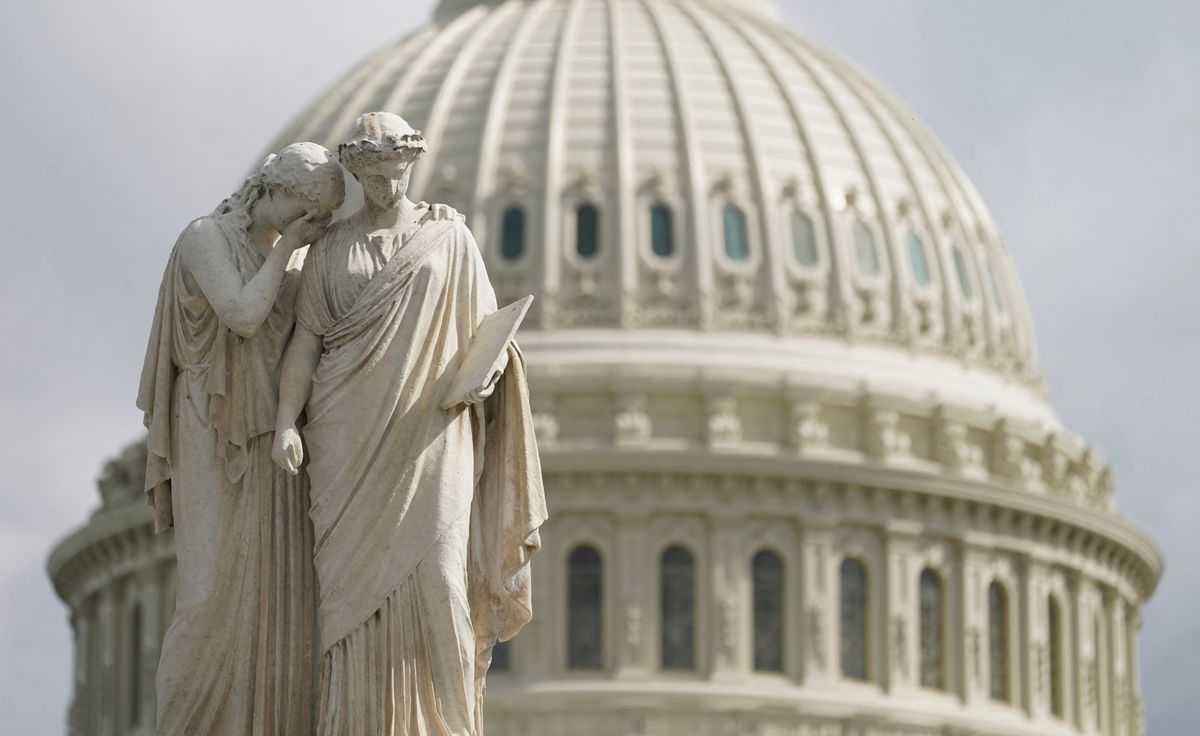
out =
column 1078, row 120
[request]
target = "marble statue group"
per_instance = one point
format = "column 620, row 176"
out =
column 345, row 454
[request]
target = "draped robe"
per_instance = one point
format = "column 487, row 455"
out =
column 424, row 518
column 237, row 658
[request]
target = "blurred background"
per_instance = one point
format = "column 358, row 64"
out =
column 1079, row 122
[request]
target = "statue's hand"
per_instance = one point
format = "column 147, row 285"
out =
column 438, row 212
column 482, row 392
column 288, row 451
column 305, row 230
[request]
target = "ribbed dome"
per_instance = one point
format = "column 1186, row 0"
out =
column 793, row 197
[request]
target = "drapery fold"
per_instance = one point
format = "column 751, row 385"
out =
column 393, row 474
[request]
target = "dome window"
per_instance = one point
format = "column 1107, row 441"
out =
column 804, row 239
column 662, row 231
column 512, row 234
column 929, row 592
column 584, row 609
column 916, row 259
column 992, row 286
column 677, row 609
column 767, row 574
column 587, row 230
column 737, row 243
column 964, row 279
column 852, row 616
column 865, row 252
column 998, row 642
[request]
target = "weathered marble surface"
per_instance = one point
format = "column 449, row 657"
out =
column 370, row 600
column 237, row 658
column 425, row 518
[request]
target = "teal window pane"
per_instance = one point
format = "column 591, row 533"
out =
column 1054, row 615
column 960, row 269
column 930, row 600
column 865, row 252
column 804, row 239
column 501, row 657
column 677, row 609
column 992, row 286
column 998, row 641
column 737, row 244
column 916, row 258
column 767, row 575
column 853, row 619
column 662, row 234
column 584, row 609
column 512, row 234
column 587, row 230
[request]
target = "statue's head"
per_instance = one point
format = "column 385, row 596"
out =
column 381, row 153
column 303, row 178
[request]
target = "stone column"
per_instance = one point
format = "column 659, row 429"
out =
column 729, row 583
column 1115, row 625
column 973, row 645
column 819, row 603
column 634, row 596
column 151, row 645
column 900, row 652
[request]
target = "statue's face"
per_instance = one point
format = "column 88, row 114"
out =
column 385, row 185
column 286, row 208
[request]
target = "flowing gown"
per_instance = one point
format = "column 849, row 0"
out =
column 237, row 659
column 424, row 518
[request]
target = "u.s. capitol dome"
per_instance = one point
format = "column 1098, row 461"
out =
column 802, row 470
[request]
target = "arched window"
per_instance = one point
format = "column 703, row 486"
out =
column 587, row 230
column 804, row 239
column 865, row 253
column 135, row 666
column 853, row 616
column 917, row 260
column 737, row 243
column 512, row 234
column 998, row 641
column 933, row 669
column 993, row 286
column 1054, row 622
column 767, row 574
column 501, row 657
column 585, row 609
column 662, row 231
column 960, row 270
column 677, row 609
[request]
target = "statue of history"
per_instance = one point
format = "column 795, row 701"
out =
column 425, row 505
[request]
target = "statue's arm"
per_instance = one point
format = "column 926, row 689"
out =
column 295, row 384
column 240, row 307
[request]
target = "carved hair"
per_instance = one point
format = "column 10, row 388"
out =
column 305, row 170
column 380, row 136
column 308, row 171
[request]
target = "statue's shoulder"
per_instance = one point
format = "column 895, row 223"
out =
column 202, row 238
column 200, row 231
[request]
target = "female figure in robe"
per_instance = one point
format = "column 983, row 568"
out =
column 237, row 658
column 425, row 518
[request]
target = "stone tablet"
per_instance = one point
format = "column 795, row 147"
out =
column 491, row 339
